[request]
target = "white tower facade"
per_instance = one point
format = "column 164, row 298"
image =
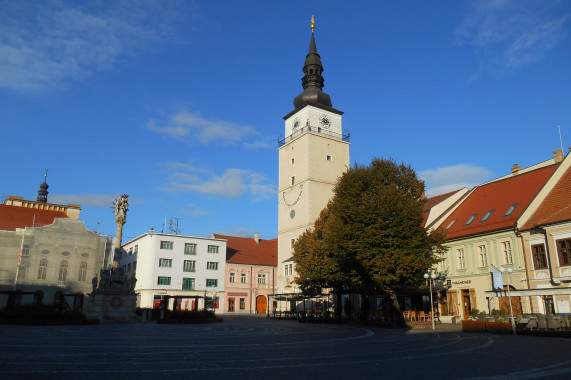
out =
column 312, row 156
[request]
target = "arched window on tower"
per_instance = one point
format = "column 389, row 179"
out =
column 62, row 271
column 82, row 271
column 43, row 269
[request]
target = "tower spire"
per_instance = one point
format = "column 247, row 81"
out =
column 43, row 192
column 312, row 81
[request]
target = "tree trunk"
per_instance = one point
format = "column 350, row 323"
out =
column 398, row 319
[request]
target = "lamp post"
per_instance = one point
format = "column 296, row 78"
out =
column 430, row 278
column 509, row 270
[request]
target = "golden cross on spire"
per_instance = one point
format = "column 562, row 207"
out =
column 312, row 23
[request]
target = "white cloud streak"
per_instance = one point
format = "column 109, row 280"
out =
column 233, row 183
column 46, row 44
column 450, row 178
column 510, row 34
column 192, row 127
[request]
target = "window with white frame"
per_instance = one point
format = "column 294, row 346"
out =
column 166, row 244
column 482, row 254
column 286, row 270
column 564, row 251
column 232, row 277
column 189, row 266
column 165, row 263
column 461, row 258
column 261, row 278
column 189, row 249
column 211, row 265
column 507, row 252
column 243, row 278
column 212, row 249
column 42, row 269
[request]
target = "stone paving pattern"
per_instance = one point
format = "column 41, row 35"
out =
column 258, row 348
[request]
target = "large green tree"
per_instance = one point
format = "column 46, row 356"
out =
column 370, row 236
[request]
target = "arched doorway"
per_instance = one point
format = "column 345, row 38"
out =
column 261, row 304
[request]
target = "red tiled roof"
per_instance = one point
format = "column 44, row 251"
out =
column 498, row 196
column 556, row 207
column 12, row 217
column 241, row 250
column 433, row 201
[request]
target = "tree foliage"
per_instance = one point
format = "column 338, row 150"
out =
column 370, row 235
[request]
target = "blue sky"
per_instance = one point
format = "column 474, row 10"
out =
column 179, row 103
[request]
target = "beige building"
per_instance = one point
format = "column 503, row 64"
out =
column 312, row 156
column 45, row 248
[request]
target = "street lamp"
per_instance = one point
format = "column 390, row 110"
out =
column 509, row 270
column 430, row 279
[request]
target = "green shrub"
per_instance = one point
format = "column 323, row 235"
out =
column 474, row 313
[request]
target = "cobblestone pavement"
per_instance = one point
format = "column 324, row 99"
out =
column 254, row 347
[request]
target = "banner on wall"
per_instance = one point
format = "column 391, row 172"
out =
column 497, row 280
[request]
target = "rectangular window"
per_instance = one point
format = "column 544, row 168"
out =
column 261, row 278
column 461, row 258
column 211, row 283
column 21, row 272
column 211, row 265
column 166, row 244
column 212, row 249
column 165, row 263
column 483, row 255
column 328, row 158
column 232, row 277
column 189, row 249
column 511, row 209
column 130, row 251
column 293, row 180
column 486, row 216
column 164, row 281
column 26, row 250
column 507, row 251
column 471, row 219
column 243, row 278
column 188, row 283
column 564, row 251
column 134, row 265
column 292, row 161
column 539, row 259
column 189, row 266
column 286, row 270
column 242, row 303
column 292, row 243
column 136, row 248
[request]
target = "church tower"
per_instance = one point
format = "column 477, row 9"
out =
column 312, row 156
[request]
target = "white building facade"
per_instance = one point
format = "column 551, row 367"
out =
column 176, row 265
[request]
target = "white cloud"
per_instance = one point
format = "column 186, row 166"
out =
column 233, row 183
column 450, row 178
column 46, row 44
column 192, row 127
column 510, row 34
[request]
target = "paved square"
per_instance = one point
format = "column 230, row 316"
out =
column 255, row 347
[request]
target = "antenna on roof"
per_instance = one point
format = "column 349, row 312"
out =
column 560, row 139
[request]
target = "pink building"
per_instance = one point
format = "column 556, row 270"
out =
column 251, row 273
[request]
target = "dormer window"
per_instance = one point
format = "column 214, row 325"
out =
column 511, row 209
column 471, row 219
column 451, row 223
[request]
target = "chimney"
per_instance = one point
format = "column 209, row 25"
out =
column 558, row 156
column 257, row 237
column 516, row 168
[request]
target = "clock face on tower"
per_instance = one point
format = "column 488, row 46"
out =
column 324, row 121
column 295, row 124
column 293, row 197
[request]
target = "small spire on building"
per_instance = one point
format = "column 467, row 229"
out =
column 312, row 23
column 43, row 192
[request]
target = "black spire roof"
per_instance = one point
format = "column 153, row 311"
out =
column 43, row 192
column 312, row 81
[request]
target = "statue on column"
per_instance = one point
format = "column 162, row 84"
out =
column 121, row 205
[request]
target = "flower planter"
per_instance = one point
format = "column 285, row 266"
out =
column 473, row 326
column 499, row 327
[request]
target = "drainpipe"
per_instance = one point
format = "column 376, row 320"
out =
column 517, row 234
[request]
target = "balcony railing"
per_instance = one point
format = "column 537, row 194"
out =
column 317, row 131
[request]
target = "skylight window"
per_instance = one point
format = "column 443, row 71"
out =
column 487, row 216
column 471, row 219
column 511, row 209
column 451, row 223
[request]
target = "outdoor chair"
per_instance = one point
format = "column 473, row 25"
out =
column 421, row 316
column 412, row 315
